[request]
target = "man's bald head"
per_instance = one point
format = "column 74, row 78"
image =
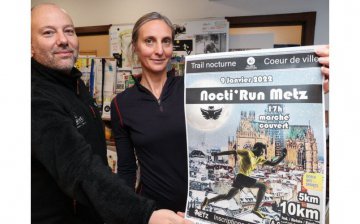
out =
column 53, row 39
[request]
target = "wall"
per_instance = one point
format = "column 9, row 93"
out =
column 282, row 34
column 99, row 43
column 104, row 12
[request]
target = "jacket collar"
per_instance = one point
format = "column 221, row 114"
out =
column 167, row 86
column 68, row 80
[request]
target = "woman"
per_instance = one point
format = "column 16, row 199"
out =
column 149, row 117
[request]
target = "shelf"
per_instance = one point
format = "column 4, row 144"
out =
column 111, row 143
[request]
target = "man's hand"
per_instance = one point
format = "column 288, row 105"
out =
column 284, row 152
column 323, row 53
column 164, row 216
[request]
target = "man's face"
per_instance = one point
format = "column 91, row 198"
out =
column 53, row 39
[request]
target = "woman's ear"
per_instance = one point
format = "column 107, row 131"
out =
column 133, row 47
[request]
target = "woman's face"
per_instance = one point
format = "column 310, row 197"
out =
column 154, row 46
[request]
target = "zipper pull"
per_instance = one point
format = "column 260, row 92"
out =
column 77, row 87
column 74, row 205
column 93, row 112
column 160, row 106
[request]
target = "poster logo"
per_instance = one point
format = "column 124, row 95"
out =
column 211, row 113
column 250, row 60
column 250, row 63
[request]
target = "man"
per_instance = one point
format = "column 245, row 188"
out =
column 70, row 179
column 248, row 161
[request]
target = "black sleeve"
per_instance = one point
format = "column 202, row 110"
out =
column 126, row 160
column 56, row 143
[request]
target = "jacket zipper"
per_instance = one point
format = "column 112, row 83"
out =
column 77, row 87
column 160, row 105
column 92, row 111
column 74, row 204
column 157, row 100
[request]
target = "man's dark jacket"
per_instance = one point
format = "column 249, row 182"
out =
column 70, row 179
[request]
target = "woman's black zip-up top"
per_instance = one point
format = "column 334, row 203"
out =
column 155, row 128
column 70, row 179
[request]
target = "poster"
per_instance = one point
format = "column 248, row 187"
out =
column 198, row 37
column 201, row 37
column 120, row 39
column 233, row 102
